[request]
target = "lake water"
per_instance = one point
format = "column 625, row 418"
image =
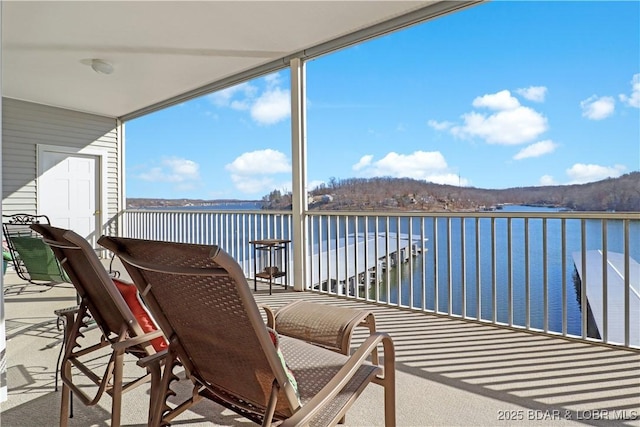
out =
column 498, row 280
column 456, row 280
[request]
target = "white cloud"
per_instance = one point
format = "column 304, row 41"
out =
column 363, row 162
column 633, row 100
column 429, row 166
column 497, row 101
column 155, row 174
column 536, row 150
column 174, row 170
column 259, row 186
column 240, row 104
column 448, row 179
column 187, row 169
column 253, row 185
column 440, row 125
column 581, row 173
column 509, row 124
column 533, row 93
column 508, row 127
column 416, row 165
column 273, row 80
column 272, row 106
column 260, row 162
column 547, row 180
column 597, row 108
column 253, row 172
column 228, row 97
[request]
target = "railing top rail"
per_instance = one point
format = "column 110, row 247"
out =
column 210, row 211
column 492, row 214
column 439, row 214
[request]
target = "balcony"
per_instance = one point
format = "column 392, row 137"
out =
column 453, row 368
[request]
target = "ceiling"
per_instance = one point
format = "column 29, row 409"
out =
column 163, row 52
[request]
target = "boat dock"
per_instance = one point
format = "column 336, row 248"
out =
column 614, row 297
column 331, row 267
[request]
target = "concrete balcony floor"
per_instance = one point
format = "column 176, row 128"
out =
column 449, row 372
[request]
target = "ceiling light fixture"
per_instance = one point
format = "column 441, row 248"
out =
column 101, row 66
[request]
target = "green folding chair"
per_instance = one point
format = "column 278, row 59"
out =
column 32, row 259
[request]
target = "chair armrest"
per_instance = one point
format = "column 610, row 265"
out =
column 131, row 342
column 67, row 311
column 325, row 396
column 66, row 317
column 271, row 319
column 157, row 358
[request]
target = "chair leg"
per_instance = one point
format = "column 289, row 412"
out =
column 65, row 402
column 116, row 405
column 155, row 395
column 389, row 382
column 66, row 316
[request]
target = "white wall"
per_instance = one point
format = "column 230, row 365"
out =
column 26, row 125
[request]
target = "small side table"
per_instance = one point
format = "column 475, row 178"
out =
column 272, row 246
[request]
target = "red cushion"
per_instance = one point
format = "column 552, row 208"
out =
column 130, row 295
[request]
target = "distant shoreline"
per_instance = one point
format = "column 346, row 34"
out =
column 141, row 203
column 259, row 205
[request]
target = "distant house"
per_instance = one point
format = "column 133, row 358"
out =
column 319, row 200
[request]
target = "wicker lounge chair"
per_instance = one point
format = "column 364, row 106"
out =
column 113, row 305
column 201, row 300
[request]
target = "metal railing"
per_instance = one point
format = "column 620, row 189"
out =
column 570, row 274
column 230, row 230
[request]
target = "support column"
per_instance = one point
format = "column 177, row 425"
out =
column 3, row 340
column 299, row 173
column 119, row 215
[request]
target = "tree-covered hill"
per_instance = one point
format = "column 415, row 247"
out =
column 613, row 194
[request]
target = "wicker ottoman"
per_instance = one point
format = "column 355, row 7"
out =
column 322, row 324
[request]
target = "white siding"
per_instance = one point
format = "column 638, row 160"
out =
column 25, row 125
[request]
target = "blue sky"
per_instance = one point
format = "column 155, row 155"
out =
column 505, row 94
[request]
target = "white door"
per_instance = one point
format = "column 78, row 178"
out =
column 69, row 189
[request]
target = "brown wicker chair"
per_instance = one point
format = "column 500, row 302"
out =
column 201, row 300
column 121, row 321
